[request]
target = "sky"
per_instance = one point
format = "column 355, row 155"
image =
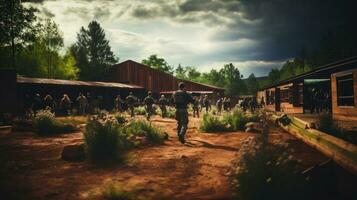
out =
column 254, row 35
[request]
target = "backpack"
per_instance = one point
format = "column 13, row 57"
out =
column 180, row 97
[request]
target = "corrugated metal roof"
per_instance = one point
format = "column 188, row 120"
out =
column 76, row 83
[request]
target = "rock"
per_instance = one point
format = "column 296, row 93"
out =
column 74, row 152
column 254, row 127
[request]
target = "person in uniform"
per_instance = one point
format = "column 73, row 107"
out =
column 82, row 104
column 207, row 103
column 149, row 101
column 181, row 99
column 130, row 101
column 118, row 103
column 89, row 108
column 201, row 101
column 219, row 105
column 65, row 105
column 48, row 102
column 163, row 102
column 196, row 107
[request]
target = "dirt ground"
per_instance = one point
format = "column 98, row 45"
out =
column 31, row 167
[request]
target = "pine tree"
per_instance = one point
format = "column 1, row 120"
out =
column 93, row 53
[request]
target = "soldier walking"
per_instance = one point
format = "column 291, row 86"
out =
column 118, row 101
column 219, row 105
column 149, row 101
column 65, row 105
column 163, row 102
column 207, row 103
column 48, row 102
column 83, row 103
column 196, row 107
column 181, row 99
column 130, row 102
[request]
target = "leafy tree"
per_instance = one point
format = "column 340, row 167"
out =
column 16, row 27
column 252, row 84
column 158, row 63
column 233, row 80
column 192, row 73
column 52, row 40
column 93, row 54
column 180, row 72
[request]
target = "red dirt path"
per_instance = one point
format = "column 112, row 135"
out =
column 31, row 167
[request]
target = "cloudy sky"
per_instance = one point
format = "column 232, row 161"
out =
column 255, row 35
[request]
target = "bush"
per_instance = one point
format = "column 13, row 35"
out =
column 117, row 192
column 104, row 138
column 268, row 172
column 145, row 129
column 237, row 119
column 45, row 123
column 120, row 119
column 140, row 110
column 211, row 124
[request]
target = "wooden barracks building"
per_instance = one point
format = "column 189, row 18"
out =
column 127, row 76
column 337, row 80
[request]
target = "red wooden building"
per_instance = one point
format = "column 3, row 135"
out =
column 131, row 72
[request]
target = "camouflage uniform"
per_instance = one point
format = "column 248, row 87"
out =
column 65, row 105
column 196, row 108
column 149, row 101
column 181, row 99
column 82, row 104
column 118, row 102
column 219, row 105
column 163, row 102
column 130, row 102
column 206, row 103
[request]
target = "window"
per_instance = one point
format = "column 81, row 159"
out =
column 345, row 93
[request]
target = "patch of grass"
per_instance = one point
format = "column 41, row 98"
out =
column 45, row 123
column 143, row 128
column 268, row 172
column 104, row 138
column 212, row 124
column 237, row 119
column 117, row 192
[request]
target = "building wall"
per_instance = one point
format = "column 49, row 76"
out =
column 8, row 91
column 135, row 73
column 344, row 112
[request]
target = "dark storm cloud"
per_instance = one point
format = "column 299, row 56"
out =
column 281, row 27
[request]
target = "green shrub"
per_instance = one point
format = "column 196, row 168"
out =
column 146, row 129
column 120, row 118
column 211, row 124
column 117, row 192
column 104, row 138
column 140, row 110
column 237, row 119
column 268, row 172
column 45, row 123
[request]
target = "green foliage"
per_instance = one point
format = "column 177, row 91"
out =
column 104, row 138
column 117, row 192
column 140, row 110
column 237, row 119
column 93, row 53
column 120, row 118
column 45, row 123
column 268, row 172
column 171, row 112
column 158, row 63
column 143, row 128
column 212, row 124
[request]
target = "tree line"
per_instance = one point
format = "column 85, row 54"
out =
column 35, row 48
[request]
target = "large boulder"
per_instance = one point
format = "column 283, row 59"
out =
column 74, row 152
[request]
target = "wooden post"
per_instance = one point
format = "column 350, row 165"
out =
column 277, row 99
